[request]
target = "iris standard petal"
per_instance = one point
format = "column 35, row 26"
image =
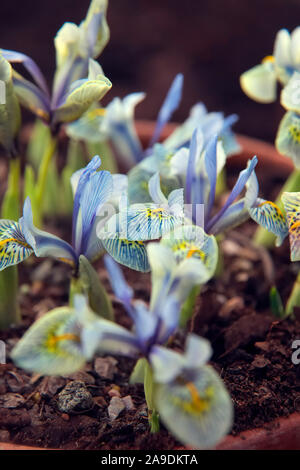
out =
column 210, row 159
column 13, row 246
column 237, row 189
column 155, row 190
column 120, row 287
column 169, row 106
column 95, row 193
column 235, row 215
column 78, row 182
column 291, row 202
column 44, row 243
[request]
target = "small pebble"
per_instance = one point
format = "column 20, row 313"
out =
column 115, row 408
column 114, row 392
column 260, row 362
column 128, row 403
column 75, row 398
column 106, row 367
column 233, row 304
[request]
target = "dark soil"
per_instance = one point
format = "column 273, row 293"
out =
column 252, row 352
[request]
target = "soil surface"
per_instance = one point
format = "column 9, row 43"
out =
column 252, row 353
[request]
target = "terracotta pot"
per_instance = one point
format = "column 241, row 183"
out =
column 282, row 433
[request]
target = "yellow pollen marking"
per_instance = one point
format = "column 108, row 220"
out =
column 295, row 225
column 68, row 261
column 197, row 404
column 273, row 205
column 53, row 340
column 97, row 112
column 8, row 240
column 159, row 209
column 268, row 58
column 194, row 251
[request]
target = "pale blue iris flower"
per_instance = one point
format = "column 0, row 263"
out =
column 259, row 83
column 94, row 197
column 203, row 166
column 79, row 80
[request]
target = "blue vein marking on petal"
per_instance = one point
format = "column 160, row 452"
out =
column 237, row 189
column 96, row 192
column 169, row 106
column 92, row 31
column 92, row 166
column 70, row 73
column 132, row 254
column 191, row 169
column 13, row 246
column 211, row 170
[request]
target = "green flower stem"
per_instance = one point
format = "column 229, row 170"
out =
column 294, row 298
column 87, row 283
column 9, row 284
column 9, row 304
column 42, row 178
column 263, row 237
column 153, row 416
column 221, row 186
column 188, row 307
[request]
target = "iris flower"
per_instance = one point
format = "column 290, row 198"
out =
column 185, row 387
column 93, row 189
column 202, row 168
column 169, row 158
column 79, row 80
column 259, row 83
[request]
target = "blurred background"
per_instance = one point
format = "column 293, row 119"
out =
column 210, row 41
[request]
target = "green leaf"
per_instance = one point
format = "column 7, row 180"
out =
column 88, row 284
column 188, row 307
column 198, row 413
column 10, row 115
column 276, row 304
column 40, row 139
column 138, row 374
column 9, row 303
